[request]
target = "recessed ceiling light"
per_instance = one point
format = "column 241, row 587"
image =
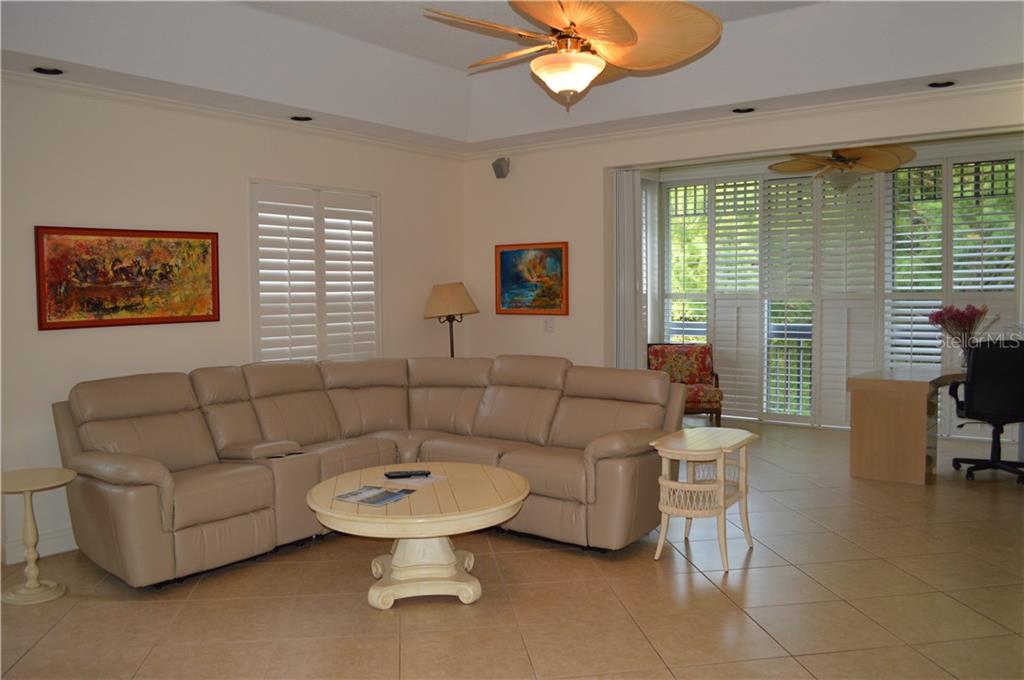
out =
column 745, row 109
column 48, row 71
column 302, row 119
column 938, row 84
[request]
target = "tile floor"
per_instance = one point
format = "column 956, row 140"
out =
column 848, row 579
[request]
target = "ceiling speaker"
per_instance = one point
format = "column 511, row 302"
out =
column 500, row 167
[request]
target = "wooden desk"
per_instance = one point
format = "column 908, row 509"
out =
column 893, row 423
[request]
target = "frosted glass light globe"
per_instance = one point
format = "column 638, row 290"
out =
column 567, row 72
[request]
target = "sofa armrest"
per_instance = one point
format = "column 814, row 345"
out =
column 260, row 449
column 621, row 444
column 130, row 469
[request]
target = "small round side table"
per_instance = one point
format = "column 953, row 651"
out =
column 26, row 482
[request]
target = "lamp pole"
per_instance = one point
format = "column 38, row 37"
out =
column 451, row 320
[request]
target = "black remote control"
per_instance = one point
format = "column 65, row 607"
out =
column 405, row 474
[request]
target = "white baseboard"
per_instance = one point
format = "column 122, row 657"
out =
column 50, row 543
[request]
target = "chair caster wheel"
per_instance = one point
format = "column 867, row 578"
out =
column 969, row 476
column 956, row 465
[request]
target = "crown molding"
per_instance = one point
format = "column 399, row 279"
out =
column 484, row 149
column 433, row 148
column 458, row 150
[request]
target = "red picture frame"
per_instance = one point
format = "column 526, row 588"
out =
column 89, row 278
column 532, row 278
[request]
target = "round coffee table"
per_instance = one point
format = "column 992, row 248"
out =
column 26, row 482
column 460, row 497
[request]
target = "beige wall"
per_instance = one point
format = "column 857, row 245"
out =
column 559, row 194
column 76, row 160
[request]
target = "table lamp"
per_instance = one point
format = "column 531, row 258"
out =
column 448, row 303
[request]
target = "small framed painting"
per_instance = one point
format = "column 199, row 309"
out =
column 119, row 277
column 532, row 278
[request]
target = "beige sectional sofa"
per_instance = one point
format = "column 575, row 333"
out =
column 180, row 473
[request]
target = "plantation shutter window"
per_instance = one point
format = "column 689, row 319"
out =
column 686, row 264
column 315, row 274
column 804, row 283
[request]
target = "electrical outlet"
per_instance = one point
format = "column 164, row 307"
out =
column 549, row 325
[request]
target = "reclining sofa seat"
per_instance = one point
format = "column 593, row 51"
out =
column 149, row 504
column 153, row 501
column 594, row 481
column 224, row 399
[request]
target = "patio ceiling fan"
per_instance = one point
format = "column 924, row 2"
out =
column 845, row 166
column 583, row 37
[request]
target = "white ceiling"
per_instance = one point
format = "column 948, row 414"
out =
column 401, row 26
column 381, row 69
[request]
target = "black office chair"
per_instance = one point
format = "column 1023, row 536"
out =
column 994, row 394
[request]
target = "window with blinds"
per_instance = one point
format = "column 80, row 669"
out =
column 804, row 284
column 315, row 273
column 686, row 264
column 737, row 230
column 983, row 210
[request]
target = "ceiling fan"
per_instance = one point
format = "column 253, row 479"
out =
column 845, row 166
column 585, row 36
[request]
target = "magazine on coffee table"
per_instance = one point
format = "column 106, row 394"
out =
column 374, row 495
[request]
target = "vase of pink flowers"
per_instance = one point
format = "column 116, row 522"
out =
column 960, row 325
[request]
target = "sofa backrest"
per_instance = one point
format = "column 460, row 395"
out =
column 597, row 401
column 444, row 394
column 367, row 396
column 290, row 401
column 520, row 400
column 224, row 399
column 155, row 415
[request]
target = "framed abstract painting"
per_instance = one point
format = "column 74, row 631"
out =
column 532, row 278
column 119, row 277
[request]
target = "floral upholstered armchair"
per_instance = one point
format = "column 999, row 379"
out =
column 690, row 364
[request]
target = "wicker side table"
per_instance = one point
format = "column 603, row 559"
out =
column 716, row 478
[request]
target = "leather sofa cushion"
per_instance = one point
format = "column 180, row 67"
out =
column 520, row 413
column 304, row 417
column 438, row 372
column 445, row 409
column 457, row 449
column 579, row 421
column 268, row 378
column 232, row 423
column 178, row 440
column 369, row 373
column 367, row 409
column 131, row 396
column 622, row 384
column 529, row 371
column 219, row 384
column 346, row 455
column 407, row 442
column 553, row 471
column 214, row 492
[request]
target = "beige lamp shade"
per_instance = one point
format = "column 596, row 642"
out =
column 449, row 299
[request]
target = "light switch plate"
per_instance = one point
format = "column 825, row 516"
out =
column 549, row 325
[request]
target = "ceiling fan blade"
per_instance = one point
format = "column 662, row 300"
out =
column 592, row 20
column 512, row 55
column 871, row 158
column 820, row 160
column 905, row 153
column 668, row 34
column 797, row 165
column 489, row 25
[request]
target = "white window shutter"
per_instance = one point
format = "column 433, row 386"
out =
column 737, row 228
column 737, row 354
column 787, row 229
column 983, row 225
column 316, row 274
column 847, row 341
column 847, row 241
